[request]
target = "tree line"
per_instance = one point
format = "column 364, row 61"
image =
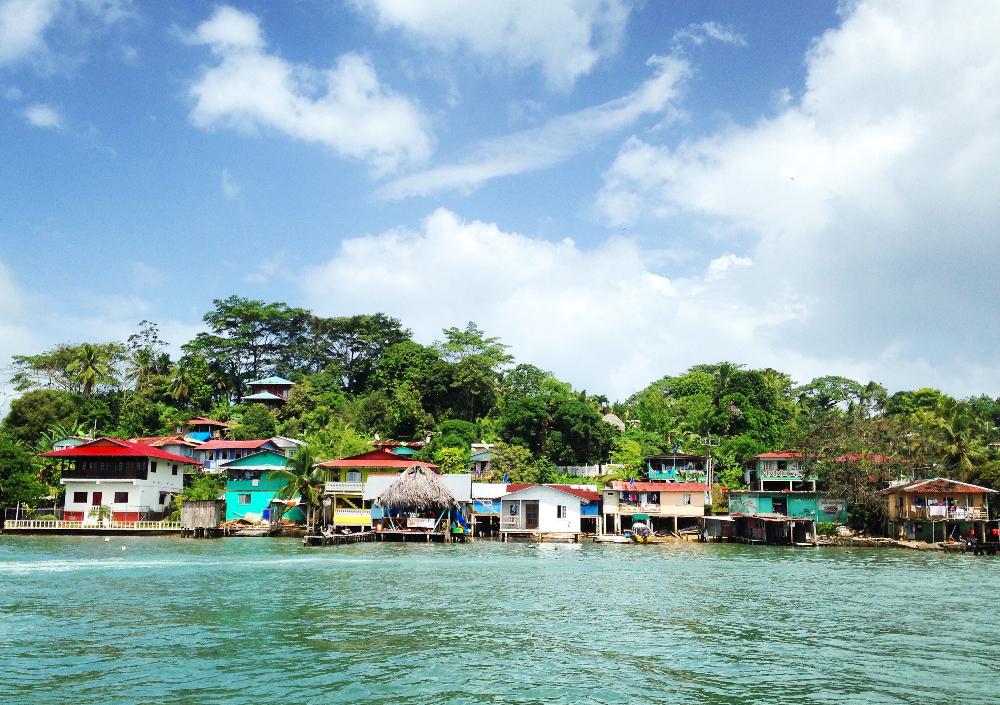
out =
column 362, row 376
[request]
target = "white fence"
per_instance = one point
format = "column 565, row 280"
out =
column 60, row 525
column 589, row 470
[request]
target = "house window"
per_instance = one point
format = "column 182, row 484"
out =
column 560, row 511
column 121, row 497
column 513, row 509
column 163, row 498
column 152, row 466
column 244, row 499
column 174, row 470
column 80, row 497
column 686, row 499
column 354, row 476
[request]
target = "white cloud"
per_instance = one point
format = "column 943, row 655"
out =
column 718, row 267
column 16, row 332
column 146, row 276
column 598, row 317
column 556, row 140
column 13, row 93
column 701, row 32
column 22, row 25
column 565, row 38
column 869, row 204
column 230, row 189
column 41, row 115
column 345, row 108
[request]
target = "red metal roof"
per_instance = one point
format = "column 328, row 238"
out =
column 117, row 448
column 625, row 486
column 222, row 445
column 375, row 459
column 582, row 494
column 160, row 441
column 780, row 455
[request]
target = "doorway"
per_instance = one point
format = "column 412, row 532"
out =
column 531, row 514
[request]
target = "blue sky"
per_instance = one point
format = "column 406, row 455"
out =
column 618, row 189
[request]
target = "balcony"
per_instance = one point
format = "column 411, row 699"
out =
column 942, row 513
column 344, row 488
column 108, row 473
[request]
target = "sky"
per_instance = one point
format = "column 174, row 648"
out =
column 616, row 189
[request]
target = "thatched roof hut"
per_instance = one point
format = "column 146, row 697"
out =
column 417, row 488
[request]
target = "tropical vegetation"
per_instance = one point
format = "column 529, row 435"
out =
column 363, row 377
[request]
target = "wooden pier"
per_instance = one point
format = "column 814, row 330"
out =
column 337, row 539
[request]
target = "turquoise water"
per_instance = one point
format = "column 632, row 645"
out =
column 266, row 621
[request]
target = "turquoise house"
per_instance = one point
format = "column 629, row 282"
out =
column 251, row 488
column 801, row 505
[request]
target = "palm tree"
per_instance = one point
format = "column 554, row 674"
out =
column 180, row 384
column 90, row 367
column 959, row 445
column 304, row 481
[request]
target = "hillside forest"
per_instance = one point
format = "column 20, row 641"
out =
column 363, row 377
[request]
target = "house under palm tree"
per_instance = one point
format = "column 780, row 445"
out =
column 253, row 484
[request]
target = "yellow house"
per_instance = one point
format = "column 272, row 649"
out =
column 343, row 496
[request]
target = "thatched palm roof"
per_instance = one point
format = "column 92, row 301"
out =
column 417, row 487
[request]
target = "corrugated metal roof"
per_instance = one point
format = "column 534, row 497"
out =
column 375, row 459
column 224, row 445
column 117, row 448
column 587, row 495
column 938, row 485
column 263, row 396
column 273, row 379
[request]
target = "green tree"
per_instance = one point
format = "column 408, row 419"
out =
column 354, row 345
column 515, row 463
column 250, row 339
column 34, row 413
column 453, row 460
column 204, row 487
column 418, row 367
column 257, row 422
column 93, row 365
column 461, row 344
column 18, row 480
column 146, row 357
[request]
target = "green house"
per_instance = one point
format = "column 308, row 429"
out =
column 803, row 505
column 251, row 488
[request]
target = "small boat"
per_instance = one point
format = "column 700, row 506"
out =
column 641, row 533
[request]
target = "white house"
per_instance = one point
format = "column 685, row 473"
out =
column 131, row 481
column 289, row 446
column 70, row 442
column 543, row 511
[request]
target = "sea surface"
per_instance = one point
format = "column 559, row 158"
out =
column 252, row 620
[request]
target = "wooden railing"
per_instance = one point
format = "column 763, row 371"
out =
column 962, row 513
column 59, row 524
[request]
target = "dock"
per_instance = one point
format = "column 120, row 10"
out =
column 337, row 539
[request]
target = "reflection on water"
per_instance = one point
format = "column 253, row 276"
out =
column 266, row 621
